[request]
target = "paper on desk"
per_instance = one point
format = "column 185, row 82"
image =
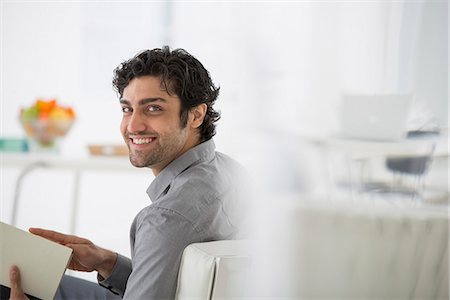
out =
column 42, row 263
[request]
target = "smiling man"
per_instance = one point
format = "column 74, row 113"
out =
column 168, row 122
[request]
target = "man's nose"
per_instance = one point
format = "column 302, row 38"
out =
column 136, row 123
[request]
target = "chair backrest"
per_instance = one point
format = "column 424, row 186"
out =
column 214, row 270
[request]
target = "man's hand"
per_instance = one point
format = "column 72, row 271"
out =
column 16, row 290
column 87, row 257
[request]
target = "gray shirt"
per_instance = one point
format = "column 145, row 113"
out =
column 194, row 199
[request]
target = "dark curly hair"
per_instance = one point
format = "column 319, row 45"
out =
column 180, row 74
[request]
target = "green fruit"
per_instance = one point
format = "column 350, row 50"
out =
column 30, row 113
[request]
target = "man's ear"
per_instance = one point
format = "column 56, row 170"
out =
column 197, row 115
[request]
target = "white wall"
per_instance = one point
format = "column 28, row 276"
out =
column 299, row 55
column 68, row 50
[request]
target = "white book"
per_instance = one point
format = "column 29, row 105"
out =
column 41, row 262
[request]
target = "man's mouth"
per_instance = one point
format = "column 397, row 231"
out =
column 142, row 141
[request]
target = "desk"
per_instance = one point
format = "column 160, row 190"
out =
column 27, row 162
column 360, row 151
column 365, row 148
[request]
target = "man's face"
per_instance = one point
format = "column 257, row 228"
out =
column 151, row 124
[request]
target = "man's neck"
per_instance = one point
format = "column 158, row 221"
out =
column 190, row 143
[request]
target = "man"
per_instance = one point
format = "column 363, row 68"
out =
column 168, row 122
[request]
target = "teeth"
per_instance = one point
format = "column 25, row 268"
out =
column 142, row 141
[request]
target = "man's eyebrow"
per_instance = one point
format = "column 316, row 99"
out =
column 143, row 101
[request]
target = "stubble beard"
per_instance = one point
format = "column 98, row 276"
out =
column 161, row 151
column 141, row 159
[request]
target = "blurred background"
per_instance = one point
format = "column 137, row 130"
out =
column 283, row 68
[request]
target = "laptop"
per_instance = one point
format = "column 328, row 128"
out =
column 375, row 117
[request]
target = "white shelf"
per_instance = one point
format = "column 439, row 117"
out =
column 100, row 163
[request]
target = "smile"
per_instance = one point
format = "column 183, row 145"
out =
column 141, row 141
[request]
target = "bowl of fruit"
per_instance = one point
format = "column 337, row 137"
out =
column 45, row 122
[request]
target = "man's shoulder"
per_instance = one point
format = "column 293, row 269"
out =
column 207, row 196
column 211, row 178
column 219, row 167
column 203, row 186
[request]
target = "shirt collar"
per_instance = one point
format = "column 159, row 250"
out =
column 205, row 150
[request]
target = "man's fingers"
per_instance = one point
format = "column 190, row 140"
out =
column 14, row 277
column 57, row 237
column 16, row 289
column 80, row 258
column 51, row 235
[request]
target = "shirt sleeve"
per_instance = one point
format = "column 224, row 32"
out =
column 117, row 281
column 161, row 237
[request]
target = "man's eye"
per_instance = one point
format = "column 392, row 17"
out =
column 126, row 109
column 154, row 108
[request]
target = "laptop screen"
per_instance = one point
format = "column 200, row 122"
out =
column 375, row 117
